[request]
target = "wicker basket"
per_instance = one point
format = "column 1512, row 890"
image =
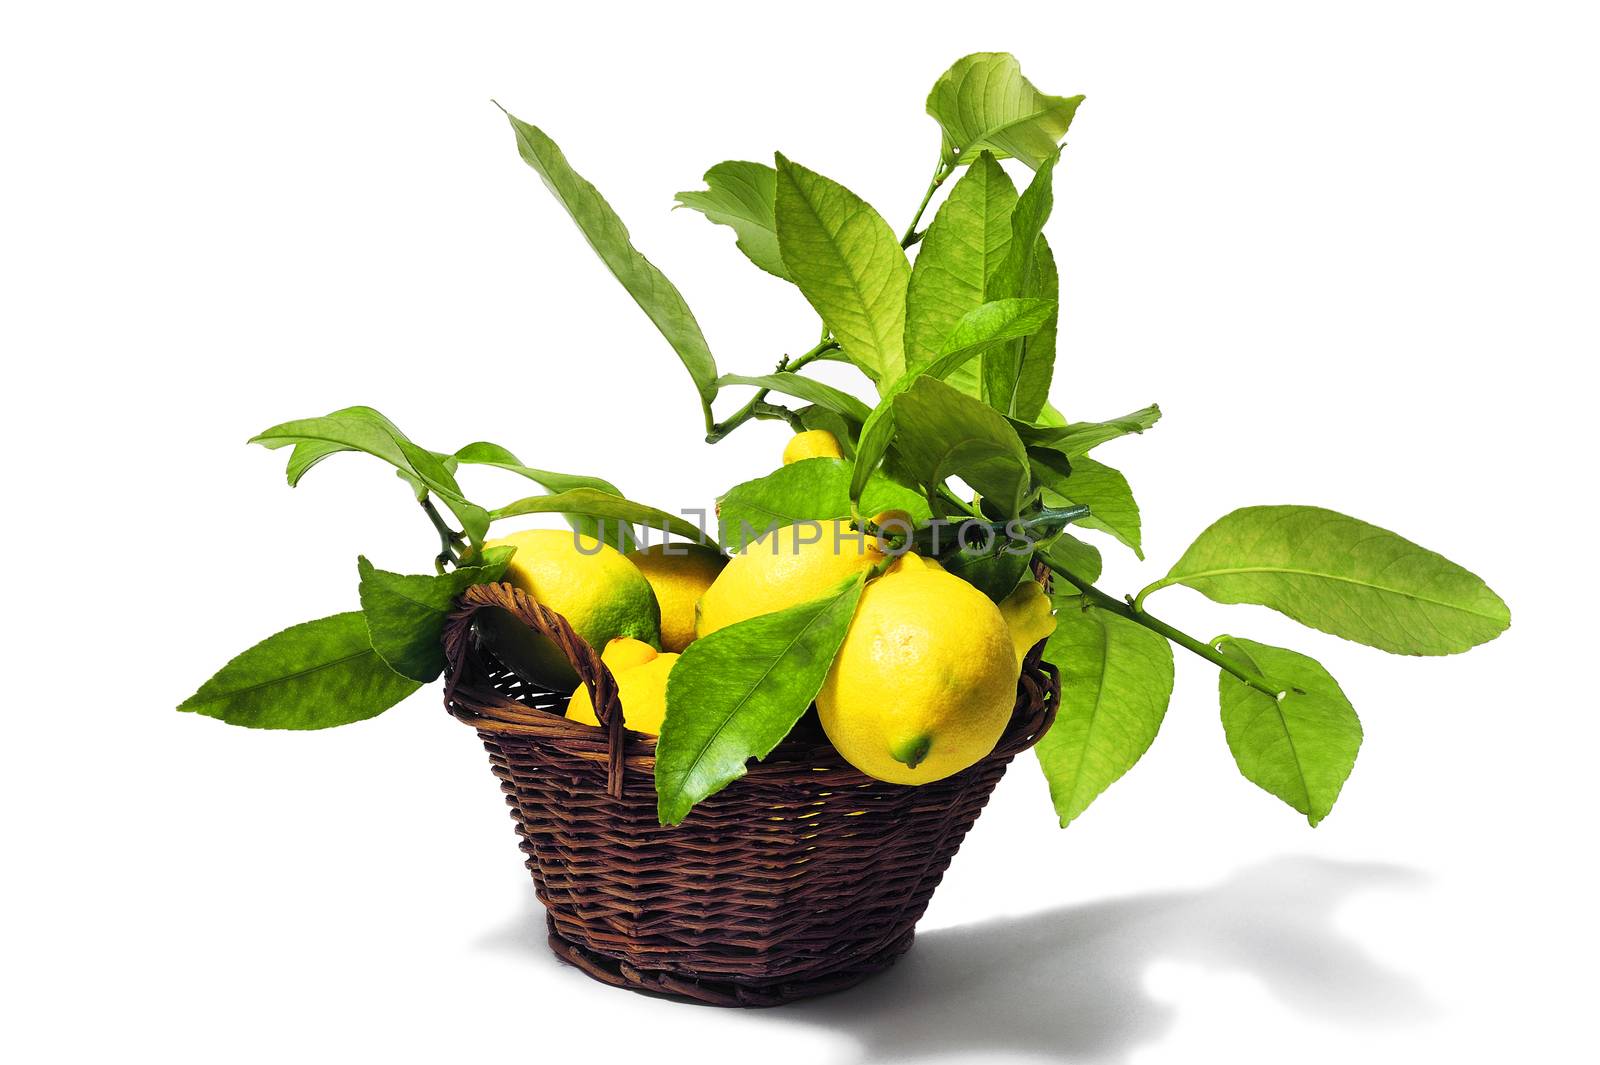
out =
column 801, row 878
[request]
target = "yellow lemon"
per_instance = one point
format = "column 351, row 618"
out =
column 600, row 593
column 642, row 690
column 1028, row 616
column 786, row 567
column 812, row 444
column 925, row 681
column 919, row 561
column 625, row 652
column 679, row 579
column 910, row 561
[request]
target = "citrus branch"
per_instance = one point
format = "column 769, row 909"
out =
column 911, row 236
column 449, row 539
column 1133, row 612
column 759, row 408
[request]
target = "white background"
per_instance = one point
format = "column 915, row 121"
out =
column 1350, row 249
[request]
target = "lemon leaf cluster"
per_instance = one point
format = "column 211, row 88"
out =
column 353, row 666
column 952, row 333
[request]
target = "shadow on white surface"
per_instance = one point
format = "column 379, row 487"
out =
column 1069, row 984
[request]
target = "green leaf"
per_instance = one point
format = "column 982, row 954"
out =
column 314, row 675
column 964, row 379
column 308, row 453
column 600, row 505
column 843, row 429
column 1002, row 366
column 484, row 453
column 994, row 556
column 1116, row 681
column 984, row 327
column 1027, row 223
column 1300, row 746
column 1344, row 577
column 1079, row 438
column 809, row 490
column 617, row 534
column 957, row 257
column 1050, row 418
column 364, row 429
column 405, row 614
column 806, row 388
column 1102, row 489
column 656, row 296
column 885, row 493
column 1036, row 366
column 995, row 572
column 942, row 433
column 848, row 264
column 1076, row 557
column 735, row 694
column 1039, row 527
column 983, row 101
column 979, row 330
column 740, row 195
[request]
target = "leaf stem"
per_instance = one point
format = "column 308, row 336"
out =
column 449, row 539
column 911, row 236
column 1156, row 586
column 957, row 502
column 758, row 407
column 1133, row 612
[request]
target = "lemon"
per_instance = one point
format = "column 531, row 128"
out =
column 788, row 566
column 1027, row 614
column 600, row 593
column 910, row 561
column 812, row 444
column 679, row 579
column 625, row 652
column 924, row 683
column 642, row 690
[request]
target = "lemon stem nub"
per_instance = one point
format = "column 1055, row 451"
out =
column 911, row 752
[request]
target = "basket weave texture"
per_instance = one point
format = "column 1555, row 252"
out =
column 802, row 877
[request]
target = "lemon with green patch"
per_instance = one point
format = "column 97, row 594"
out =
column 592, row 585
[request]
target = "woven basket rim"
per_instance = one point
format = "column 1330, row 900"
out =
column 487, row 710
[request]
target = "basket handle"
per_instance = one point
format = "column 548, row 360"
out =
column 585, row 660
